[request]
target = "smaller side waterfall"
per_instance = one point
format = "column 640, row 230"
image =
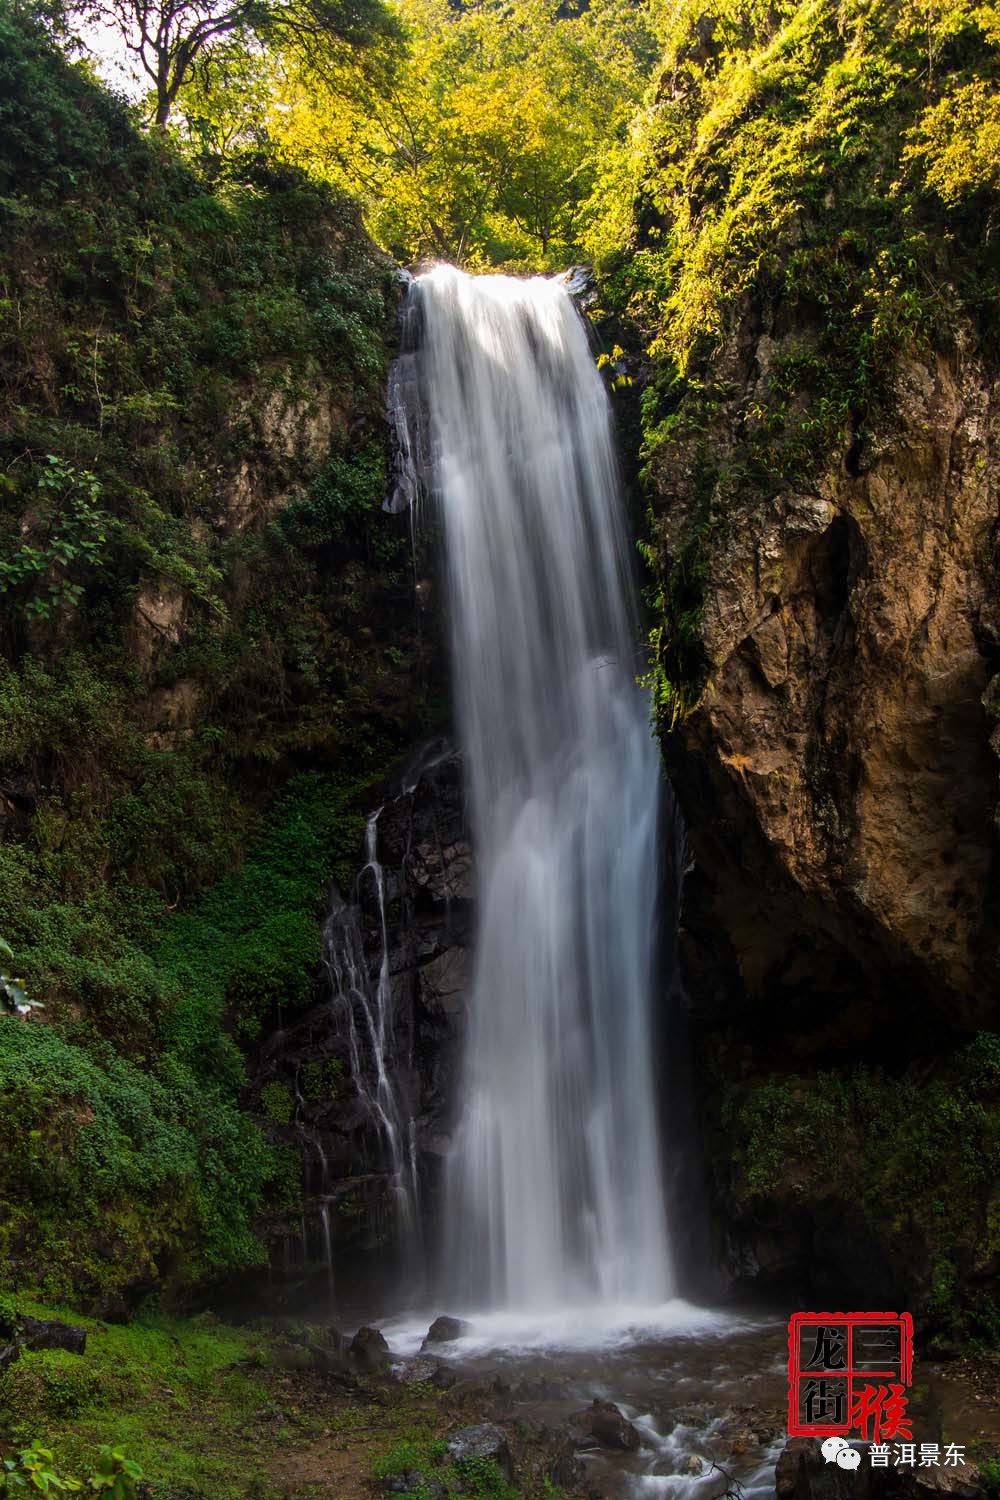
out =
column 363, row 1006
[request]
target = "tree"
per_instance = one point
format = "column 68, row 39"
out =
column 486, row 144
column 171, row 37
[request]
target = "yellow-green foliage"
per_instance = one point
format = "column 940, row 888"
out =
column 488, row 143
column 823, row 172
column 784, row 129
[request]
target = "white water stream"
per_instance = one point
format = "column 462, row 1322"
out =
column 555, row 1183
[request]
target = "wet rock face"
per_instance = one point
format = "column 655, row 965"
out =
column 369, row 1350
column 604, row 1423
column 445, row 1330
column 409, row 954
column 838, row 779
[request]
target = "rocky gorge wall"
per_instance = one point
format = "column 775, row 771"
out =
column 412, row 917
column 842, row 914
column 814, row 376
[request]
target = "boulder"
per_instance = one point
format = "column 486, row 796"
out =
column 329, row 1361
column 370, row 1351
column 445, row 1330
column 419, row 1370
column 606, row 1424
column 9, row 1354
column 45, row 1333
column 483, row 1441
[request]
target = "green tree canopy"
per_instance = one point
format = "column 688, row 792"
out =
column 171, row 37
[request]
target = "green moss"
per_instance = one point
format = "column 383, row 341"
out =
column 119, row 1173
column 252, row 945
column 419, row 1451
column 179, row 1398
column 277, row 1103
column 321, row 1080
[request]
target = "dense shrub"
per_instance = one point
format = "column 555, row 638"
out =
column 117, row 1172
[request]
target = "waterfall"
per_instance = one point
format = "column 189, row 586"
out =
column 364, row 1011
column 554, row 1187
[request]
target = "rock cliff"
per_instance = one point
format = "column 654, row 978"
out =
column 803, row 319
column 395, row 974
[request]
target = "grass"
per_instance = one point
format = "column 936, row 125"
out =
column 208, row 1409
column 188, row 1401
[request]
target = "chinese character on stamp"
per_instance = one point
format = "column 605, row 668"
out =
column 848, row 1374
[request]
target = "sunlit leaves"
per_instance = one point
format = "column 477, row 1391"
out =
column 487, row 142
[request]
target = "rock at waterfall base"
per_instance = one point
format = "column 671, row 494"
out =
column 420, row 1369
column 605, row 1423
column 445, row 1330
column 370, row 1351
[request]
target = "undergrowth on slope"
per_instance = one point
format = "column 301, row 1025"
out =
column 207, row 654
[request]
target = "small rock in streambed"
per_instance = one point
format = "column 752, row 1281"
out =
column 445, row 1330
column 606, row 1424
column 566, row 1471
column 483, row 1441
column 369, row 1350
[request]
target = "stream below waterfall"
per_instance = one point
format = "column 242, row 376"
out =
column 705, row 1389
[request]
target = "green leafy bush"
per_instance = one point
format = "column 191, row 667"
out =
column 34, row 1468
column 919, row 1158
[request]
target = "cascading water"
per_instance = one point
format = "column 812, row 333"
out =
column 365, row 1011
column 555, row 1184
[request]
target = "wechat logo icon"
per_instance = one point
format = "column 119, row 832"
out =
column 836, row 1450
